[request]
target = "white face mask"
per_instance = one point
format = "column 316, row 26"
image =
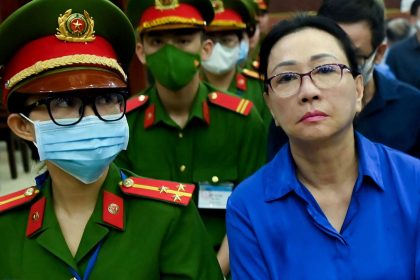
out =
column 418, row 25
column 222, row 59
column 243, row 51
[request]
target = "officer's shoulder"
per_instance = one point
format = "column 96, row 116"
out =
column 17, row 198
column 162, row 190
column 136, row 102
column 231, row 102
column 250, row 73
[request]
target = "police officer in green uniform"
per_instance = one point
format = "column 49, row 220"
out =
column 233, row 23
column 65, row 87
column 181, row 128
column 262, row 28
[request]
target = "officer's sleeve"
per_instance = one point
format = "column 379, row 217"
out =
column 253, row 152
column 186, row 251
column 246, row 259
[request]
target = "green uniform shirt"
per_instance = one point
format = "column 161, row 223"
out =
column 253, row 90
column 160, row 241
column 227, row 146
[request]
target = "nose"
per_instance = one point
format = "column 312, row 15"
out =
column 88, row 111
column 308, row 91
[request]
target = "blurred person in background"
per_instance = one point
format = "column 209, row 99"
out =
column 404, row 57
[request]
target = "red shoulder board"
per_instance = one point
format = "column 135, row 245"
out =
column 18, row 198
column 169, row 191
column 252, row 74
column 240, row 105
column 136, row 102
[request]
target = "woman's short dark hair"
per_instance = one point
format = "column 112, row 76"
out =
column 298, row 23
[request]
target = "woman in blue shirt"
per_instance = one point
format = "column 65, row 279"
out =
column 331, row 204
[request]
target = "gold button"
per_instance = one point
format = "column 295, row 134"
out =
column 182, row 168
column 113, row 208
column 29, row 191
column 128, row 183
column 142, row 97
column 213, row 95
column 215, row 179
column 180, row 135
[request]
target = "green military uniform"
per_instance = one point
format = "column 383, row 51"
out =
column 247, row 84
column 224, row 139
column 218, row 145
column 150, row 240
column 231, row 17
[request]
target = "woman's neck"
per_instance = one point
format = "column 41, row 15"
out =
column 326, row 164
column 71, row 195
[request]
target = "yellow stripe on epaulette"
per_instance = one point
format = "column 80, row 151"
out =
column 136, row 102
column 163, row 190
column 252, row 74
column 18, row 198
column 237, row 104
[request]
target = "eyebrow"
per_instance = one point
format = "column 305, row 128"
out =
column 313, row 58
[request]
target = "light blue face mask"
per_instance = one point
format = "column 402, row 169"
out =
column 83, row 150
column 243, row 51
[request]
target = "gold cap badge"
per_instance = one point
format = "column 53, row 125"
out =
column 166, row 4
column 75, row 27
column 217, row 6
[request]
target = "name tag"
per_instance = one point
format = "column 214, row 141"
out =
column 211, row 196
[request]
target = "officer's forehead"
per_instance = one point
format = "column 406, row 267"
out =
column 172, row 32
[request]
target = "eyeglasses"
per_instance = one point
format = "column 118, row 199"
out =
column 324, row 76
column 229, row 40
column 68, row 109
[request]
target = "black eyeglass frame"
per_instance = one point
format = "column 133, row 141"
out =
column 86, row 100
column 309, row 73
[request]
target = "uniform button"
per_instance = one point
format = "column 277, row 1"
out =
column 30, row 191
column 182, row 168
column 215, row 179
column 128, row 183
column 180, row 135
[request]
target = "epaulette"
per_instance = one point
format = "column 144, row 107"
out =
column 18, row 198
column 237, row 104
column 136, row 102
column 252, row 74
column 168, row 191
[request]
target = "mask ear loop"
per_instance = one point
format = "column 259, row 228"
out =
column 32, row 122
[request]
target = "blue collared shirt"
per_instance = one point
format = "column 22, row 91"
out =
column 277, row 230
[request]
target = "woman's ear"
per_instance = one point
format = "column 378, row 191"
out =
column 21, row 127
column 359, row 93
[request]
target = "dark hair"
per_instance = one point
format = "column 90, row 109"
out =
column 298, row 23
column 353, row 11
column 397, row 29
column 414, row 7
